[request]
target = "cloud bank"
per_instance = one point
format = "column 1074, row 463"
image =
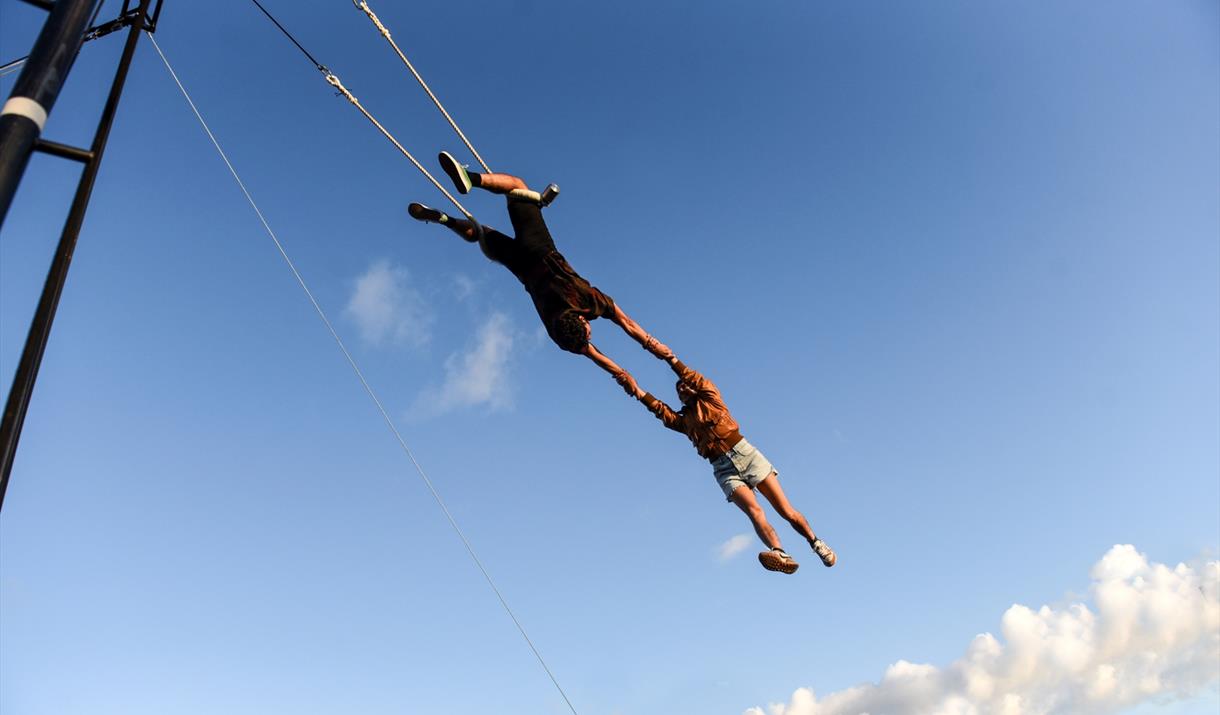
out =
column 477, row 376
column 1154, row 633
column 385, row 307
column 734, row 546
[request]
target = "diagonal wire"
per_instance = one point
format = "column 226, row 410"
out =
column 12, row 67
column 96, row 12
column 288, row 34
column 364, row 382
column 385, row 32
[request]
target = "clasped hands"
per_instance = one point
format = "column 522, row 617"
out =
column 657, row 348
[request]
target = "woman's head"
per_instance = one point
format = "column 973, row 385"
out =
column 686, row 393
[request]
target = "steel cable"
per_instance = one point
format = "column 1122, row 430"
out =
column 363, row 381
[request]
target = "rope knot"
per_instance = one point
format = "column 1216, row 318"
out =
column 334, row 82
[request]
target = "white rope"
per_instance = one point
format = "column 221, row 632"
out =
column 385, row 32
column 334, row 81
column 360, row 375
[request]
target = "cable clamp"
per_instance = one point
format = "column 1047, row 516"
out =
column 343, row 91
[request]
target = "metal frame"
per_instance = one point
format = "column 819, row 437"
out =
column 94, row 32
column 19, row 137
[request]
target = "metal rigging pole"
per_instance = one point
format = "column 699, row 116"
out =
column 25, row 113
column 21, row 121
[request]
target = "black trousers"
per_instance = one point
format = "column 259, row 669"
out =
column 532, row 241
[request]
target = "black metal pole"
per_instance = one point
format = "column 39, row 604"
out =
column 63, row 151
column 41, row 4
column 25, row 112
column 40, row 329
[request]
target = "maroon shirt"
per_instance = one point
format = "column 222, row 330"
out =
column 556, row 289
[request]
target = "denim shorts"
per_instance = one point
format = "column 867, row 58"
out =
column 743, row 465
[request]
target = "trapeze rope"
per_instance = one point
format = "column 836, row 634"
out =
column 360, row 375
column 333, row 80
column 385, row 32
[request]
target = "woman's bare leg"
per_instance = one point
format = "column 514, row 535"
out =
column 743, row 497
column 771, row 489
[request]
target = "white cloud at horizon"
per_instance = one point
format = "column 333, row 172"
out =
column 386, row 307
column 734, row 546
column 1153, row 633
column 476, row 376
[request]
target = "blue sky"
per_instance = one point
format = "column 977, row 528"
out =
column 954, row 265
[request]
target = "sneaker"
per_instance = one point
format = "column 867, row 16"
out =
column 548, row 195
column 457, row 172
column 778, row 560
column 419, row 212
column 824, row 552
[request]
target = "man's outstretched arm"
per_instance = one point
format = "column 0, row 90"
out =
column 662, row 411
column 621, row 376
column 641, row 336
column 601, row 360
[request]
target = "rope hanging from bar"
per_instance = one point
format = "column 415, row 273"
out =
column 333, row 80
column 385, row 32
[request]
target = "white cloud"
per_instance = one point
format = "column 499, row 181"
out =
column 1153, row 633
column 463, row 286
column 477, row 376
column 734, row 546
column 385, row 306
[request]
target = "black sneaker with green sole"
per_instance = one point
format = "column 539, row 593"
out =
column 419, row 212
column 457, row 172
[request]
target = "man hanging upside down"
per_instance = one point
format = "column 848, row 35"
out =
column 565, row 301
column 738, row 466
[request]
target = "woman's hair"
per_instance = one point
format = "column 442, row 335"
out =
column 572, row 332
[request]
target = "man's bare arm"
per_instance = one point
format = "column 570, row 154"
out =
column 602, row 361
column 621, row 376
column 641, row 336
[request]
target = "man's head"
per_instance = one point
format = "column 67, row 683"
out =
column 686, row 393
column 572, row 332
